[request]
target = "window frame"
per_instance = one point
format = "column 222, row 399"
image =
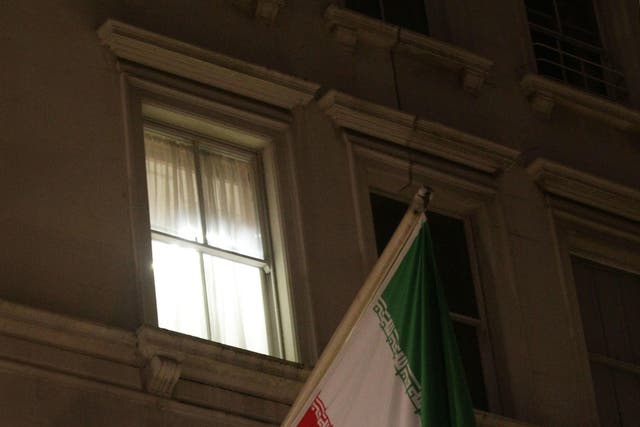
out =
column 264, row 129
column 373, row 170
column 600, row 238
column 619, row 95
column 268, row 280
column 480, row 323
column 594, row 219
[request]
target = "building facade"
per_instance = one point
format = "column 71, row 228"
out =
column 195, row 191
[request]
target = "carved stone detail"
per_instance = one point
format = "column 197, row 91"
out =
column 161, row 374
column 267, row 10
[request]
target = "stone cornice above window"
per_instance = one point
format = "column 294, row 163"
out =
column 544, row 93
column 203, row 66
column 350, row 28
column 586, row 189
column 423, row 135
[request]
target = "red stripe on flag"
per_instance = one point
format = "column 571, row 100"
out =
column 316, row 415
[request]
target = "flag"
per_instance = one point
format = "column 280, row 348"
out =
column 393, row 361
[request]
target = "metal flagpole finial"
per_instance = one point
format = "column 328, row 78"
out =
column 422, row 198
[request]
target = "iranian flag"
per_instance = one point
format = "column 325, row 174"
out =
column 393, row 361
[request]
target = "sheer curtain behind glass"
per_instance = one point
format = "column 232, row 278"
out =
column 191, row 282
column 231, row 216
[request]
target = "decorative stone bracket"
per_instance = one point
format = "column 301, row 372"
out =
column 160, row 375
column 162, row 368
column 350, row 28
column 544, row 94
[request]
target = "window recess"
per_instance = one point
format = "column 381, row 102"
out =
column 453, row 260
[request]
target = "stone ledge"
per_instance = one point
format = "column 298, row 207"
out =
column 586, row 189
column 544, row 94
column 485, row 419
column 111, row 357
column 350, row 28
column 203, row 66
column 423, row 135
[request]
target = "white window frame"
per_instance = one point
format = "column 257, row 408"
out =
column 254, row 157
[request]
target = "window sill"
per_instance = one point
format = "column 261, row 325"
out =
column 486, row 419
column 544, row 93
column 191, row 376
column 350, row 28
column 408, row 130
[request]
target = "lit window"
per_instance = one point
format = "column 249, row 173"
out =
column 567, row 46
column 409, row 14
column 210, row 244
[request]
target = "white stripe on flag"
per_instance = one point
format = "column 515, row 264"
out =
column 362, row 388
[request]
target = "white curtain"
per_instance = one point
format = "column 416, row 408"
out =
column 171, row 182
column 237, row 312
column 230, row 205
column 234, row 291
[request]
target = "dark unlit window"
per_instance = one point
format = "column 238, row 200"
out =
column 410, row 14
column 610, row 308
column 452, row 259
column 568, row 47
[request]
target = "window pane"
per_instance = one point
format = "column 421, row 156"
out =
column 236, row 304
column 542, row 12
column 368, row 7
column 450, row 244
column 409, row 14
column 179, row 290
column 467, row 339
column 578, row 20
column 230, row 204
column 171, row 183
column 452, row 257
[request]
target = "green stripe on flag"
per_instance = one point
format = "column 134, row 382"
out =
column 420, row 332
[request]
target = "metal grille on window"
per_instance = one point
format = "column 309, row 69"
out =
column 568, row 47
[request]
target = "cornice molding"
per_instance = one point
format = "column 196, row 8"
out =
column 350, row 28
column 544, row 93
column 204, row 66
column 407, row 130
column 586, row 189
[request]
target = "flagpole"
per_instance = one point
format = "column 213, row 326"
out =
column 411, row 220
